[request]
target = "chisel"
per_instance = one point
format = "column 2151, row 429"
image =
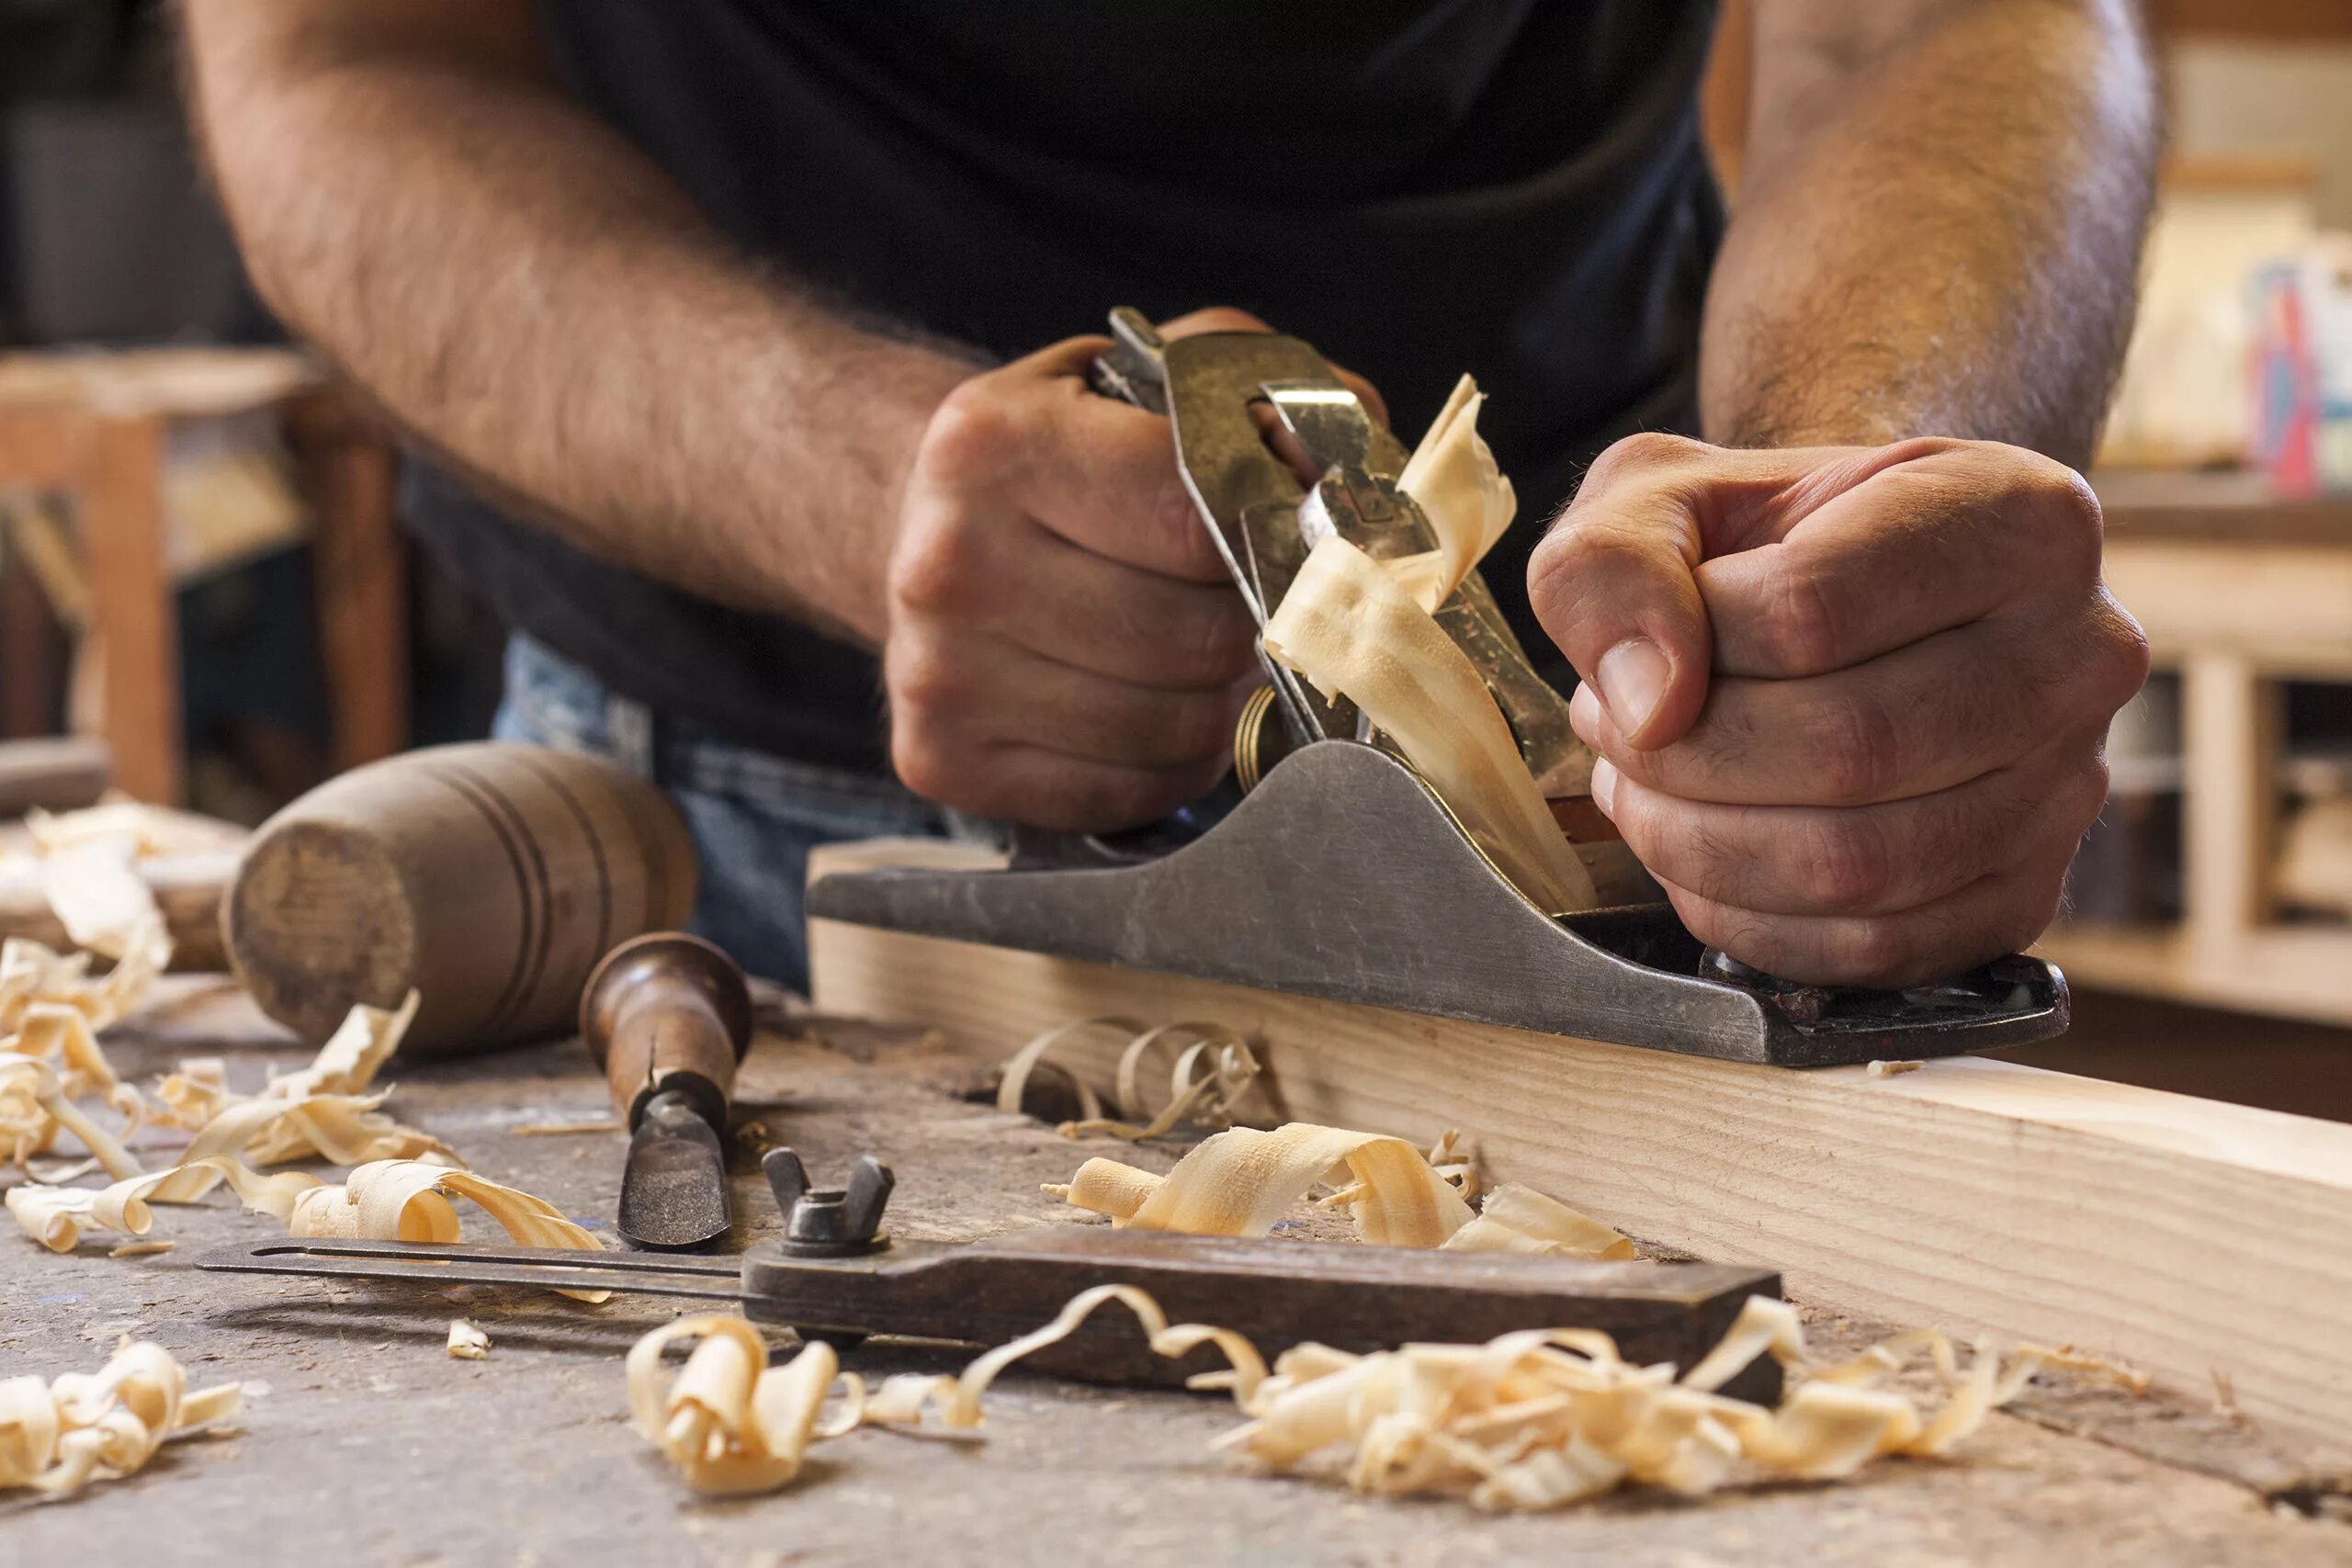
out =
column 668, row 1017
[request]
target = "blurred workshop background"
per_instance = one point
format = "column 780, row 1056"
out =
column 200, row 563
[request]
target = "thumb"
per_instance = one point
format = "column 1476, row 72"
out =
column 1614, row 585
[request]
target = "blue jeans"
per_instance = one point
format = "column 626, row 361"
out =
column 754, row 817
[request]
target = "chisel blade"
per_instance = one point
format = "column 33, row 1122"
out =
column 673, row 1192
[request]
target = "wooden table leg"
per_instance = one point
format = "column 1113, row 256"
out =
column 361, row 572
column 31, row 663
column 133, row 615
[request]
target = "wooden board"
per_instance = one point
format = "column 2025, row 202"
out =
column 2183, row 1234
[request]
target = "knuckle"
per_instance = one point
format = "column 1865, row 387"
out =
column 1642, row 452
column 2073, row 520
column 1849, row 865
column 1871, row 950
column 1854, row 744
column 933, row 570
column 923, row 764
column 972, row 434
column 2125, row 655
column 1804, row 623
column 921, row 679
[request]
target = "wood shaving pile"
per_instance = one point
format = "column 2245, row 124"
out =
column 1242, row 1181
column 1533, row 1420
column 1364, row 629
column 57, row 1438
column 1206, row 1081
column 401, row 1187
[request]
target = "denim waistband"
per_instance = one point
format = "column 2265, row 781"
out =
column 557, row 700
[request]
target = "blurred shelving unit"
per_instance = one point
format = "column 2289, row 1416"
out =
column 2240, row 594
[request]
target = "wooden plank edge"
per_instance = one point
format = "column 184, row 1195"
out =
column 2189, row 1237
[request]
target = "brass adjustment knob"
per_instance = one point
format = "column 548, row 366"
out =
column 1260, row 740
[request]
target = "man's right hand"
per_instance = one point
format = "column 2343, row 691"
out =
column 1066, row 648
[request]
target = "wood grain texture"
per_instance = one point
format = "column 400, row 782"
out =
column 136, row 615
column 2185, row 1235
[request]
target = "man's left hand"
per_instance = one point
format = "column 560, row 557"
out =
column 1851, row 704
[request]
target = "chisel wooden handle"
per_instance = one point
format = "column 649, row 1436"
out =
column 663, row 1013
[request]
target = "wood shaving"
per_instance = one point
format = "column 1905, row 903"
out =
column 316, row 1111
column 139, row 1248
column 565, row 1129
column 1533, row 1420
column 58, row 1437
column 1012, row 1088
column 1206, row 1081
column 30, row 972
column 1462, row 491
column 55, row 1216
column 1515, row 1218
column 95, row 889
column 34, row 1107
column 1349, row 627
column 466, row 1340
column 407, row 1200
column 1242, row 1181
column 729, row 1423
column 1890, row 1069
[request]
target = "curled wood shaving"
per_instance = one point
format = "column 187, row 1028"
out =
column 1012, row 1088
column 30, row 972
column 33, row 1107
column 139, row 1248
column 1890, row 1069
column 1461, row 489
column 1519, row 1219
column 352, row 1054
column 466, row 1340
column 1206, row 1081
column 903, row 1400
column 1242, row 1181
column 94, row 887
column 729, row 1423
column 407, row 1200
column 58, row 1437
column 55, row 1216
column 1548, row 1417
column 61, row 1036
column 319, row 1110
column 1348, row 627
column 1537, row 1419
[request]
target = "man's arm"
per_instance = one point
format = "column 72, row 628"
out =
column 1850, row 689
column 1938, row 226
column 529, row 294
column 526, row 291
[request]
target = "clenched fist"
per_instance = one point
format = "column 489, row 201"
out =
column 1065, row 647
column 1851, row 703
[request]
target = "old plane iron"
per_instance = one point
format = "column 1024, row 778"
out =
column 1339, row 873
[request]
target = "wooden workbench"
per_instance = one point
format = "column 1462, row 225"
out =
column 371, row 1446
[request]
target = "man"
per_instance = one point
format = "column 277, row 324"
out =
column 740, row 304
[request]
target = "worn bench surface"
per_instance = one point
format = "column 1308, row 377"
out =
column 371, row 1446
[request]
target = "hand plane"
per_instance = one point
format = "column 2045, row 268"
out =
column 1339, row 873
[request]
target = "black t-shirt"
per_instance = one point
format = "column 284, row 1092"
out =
column 1418, row 188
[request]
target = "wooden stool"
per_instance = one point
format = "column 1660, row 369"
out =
column 93, row 427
